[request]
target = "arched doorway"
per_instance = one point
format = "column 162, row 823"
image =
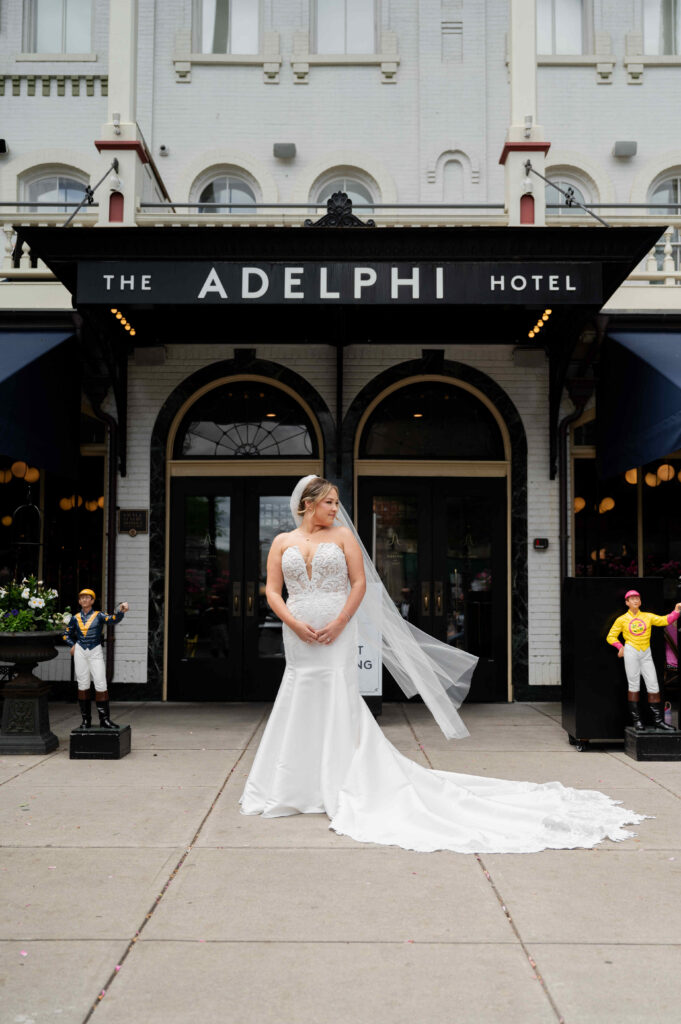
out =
column 235, row 449
column 432, row 465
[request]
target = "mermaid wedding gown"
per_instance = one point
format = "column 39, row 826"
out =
column 323, row 752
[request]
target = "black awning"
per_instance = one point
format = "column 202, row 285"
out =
column 606, row 255
column 20, row 348
column 639, row 400
column 40, row 399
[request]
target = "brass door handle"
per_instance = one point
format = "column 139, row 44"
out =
column 439, row 590
column 425, row 598
column 236, row 598
column 250, row 598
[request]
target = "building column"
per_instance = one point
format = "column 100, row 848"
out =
column 120, row 194
column 524, row 198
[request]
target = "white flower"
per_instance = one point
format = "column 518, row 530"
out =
column 66, row 618
column 3, row 592
column 26, row 593
column 36, row 602
column 53, row 593
column 40, row 583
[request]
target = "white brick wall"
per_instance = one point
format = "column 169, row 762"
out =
column 528, row 389
column 435, row 106
column 345, row 114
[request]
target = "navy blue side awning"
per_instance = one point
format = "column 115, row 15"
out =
column 639, row 400
column 40, row 399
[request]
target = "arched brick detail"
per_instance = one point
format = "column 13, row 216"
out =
column 244, row 363
column 434, row 364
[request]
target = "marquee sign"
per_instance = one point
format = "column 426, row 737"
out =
column 363, row 283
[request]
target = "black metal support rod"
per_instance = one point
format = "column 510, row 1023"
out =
column 112, row 488
column 570, row 199
column 617, row 206
column 340, row 367
column 17, row 204
column 563, row 489
column 90, row 191
column 307, row 206
column 31, row 204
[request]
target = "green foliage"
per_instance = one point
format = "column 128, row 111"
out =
column 29, row 605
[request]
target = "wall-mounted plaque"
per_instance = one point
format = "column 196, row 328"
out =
column 133, row 521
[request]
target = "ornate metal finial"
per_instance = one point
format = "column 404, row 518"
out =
column 339, row 215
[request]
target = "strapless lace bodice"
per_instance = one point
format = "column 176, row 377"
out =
column 329, row 572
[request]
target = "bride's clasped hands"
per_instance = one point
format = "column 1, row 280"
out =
column 326, row 635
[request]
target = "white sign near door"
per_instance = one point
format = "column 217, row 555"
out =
column 369, row 661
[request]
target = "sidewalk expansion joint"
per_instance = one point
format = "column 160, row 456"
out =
column 502, row 904
column 643, row 770
column 533, row 964
column 173, row 875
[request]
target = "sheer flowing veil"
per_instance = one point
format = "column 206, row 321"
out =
column 418, row 662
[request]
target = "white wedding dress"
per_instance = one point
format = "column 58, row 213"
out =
column 323, row 752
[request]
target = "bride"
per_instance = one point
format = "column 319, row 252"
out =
column 323, row 752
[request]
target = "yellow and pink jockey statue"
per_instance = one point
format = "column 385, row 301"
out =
column 636, row 627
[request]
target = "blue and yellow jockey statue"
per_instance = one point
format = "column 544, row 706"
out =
column 84, row 636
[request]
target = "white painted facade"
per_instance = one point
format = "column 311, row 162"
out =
column 423, row 120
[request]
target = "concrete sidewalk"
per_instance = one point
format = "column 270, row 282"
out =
column 136, row 887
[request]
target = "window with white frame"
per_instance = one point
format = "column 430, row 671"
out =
column 345, row 26
column 360, row 192
column 59, row 26
column 556, row 203
column 662, row 27
column 58, row 188
column 226, row 193
column 227, row 26
column 560, row 27
column 668, row 190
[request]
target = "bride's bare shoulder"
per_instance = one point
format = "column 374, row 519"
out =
column 283, row 540
column 344, row 535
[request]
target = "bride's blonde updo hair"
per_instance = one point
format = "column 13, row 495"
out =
column 315, row 492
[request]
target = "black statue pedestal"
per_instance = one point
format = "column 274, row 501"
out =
column 652, row 746
column 25, row 715
column 99, row 744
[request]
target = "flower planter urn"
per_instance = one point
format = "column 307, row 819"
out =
column 25, row 715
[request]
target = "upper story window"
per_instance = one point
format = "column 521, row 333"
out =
column 560, row 26
column 345, row 26
column 355, row 190
column 668, row 191
column 662, row 27
column 553, row 197
column 231, row 193
column 227, row 26
column 57, row 188
column 363, row 193
column 59, row 26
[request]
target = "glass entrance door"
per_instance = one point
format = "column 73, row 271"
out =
column 224, row 643
column 440, row 547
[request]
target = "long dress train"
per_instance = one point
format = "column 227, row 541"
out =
column 322, row 751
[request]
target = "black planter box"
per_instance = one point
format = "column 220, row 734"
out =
column 652, row 746
column 594, row 684
column 98, row 744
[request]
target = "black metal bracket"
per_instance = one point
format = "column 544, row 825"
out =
column 568, row 193
column 89, row 194
column 339, row 215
